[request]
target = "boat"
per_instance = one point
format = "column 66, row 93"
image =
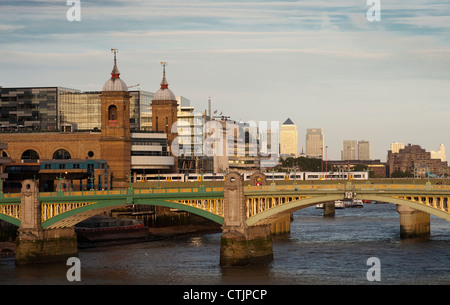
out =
column 319, row 206
column 100, row 229
column 357, row 203
column 347, row 203
column 339, row 204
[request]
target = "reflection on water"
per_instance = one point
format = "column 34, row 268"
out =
column 318, row 251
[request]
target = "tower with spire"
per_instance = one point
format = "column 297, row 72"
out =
column 115, row 127
column 164, row 110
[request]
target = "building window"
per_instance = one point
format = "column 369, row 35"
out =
column 61, row 154
column 62, row 166
column 112, row 113
column 30, row 155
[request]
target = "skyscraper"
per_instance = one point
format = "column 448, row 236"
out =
column 289, row 139
column 314, row 142
column 363, row 150
column 440, row 154
column 396, row 146
column 348, row 150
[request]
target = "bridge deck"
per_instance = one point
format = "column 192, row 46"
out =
column 208, row 201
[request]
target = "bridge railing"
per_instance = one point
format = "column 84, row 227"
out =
column 44, row 195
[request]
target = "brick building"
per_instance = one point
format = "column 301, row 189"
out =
column 415, row 159
column 113, row 142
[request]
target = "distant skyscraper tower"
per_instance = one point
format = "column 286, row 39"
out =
column 440, row 154
column 314, row 142
column 289, row 139
column 396, row 146
column 363, row 150
column 348, row 150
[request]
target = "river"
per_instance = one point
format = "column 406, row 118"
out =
column 317, row 251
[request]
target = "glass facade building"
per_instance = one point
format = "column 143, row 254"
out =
column 79, row 111
column 64, row 109
column 30, row 109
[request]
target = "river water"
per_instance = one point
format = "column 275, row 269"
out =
column 317, row 251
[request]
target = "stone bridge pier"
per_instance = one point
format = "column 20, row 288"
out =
column 241, row 244
column 413, row 223
column 33, row 243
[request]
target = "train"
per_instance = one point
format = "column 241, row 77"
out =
column 287, row 176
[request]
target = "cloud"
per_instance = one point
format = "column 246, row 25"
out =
column 10, row 27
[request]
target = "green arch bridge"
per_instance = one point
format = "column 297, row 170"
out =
column 254, row 206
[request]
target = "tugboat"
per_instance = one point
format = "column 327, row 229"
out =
column 103, row 229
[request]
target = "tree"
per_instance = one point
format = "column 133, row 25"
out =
column 401, row 174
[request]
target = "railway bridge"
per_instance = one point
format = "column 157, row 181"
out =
column 46, row 220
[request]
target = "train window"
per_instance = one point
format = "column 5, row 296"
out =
column 76, row 165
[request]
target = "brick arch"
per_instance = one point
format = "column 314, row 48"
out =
column 63, row 148
column 38, row 151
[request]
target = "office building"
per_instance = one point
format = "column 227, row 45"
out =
column 440, row 154
column 349, row 150
column 314, row 143
column 289, row 139
column 396, row 146
column 363, row 150
column 64, row 109
column 414, row 159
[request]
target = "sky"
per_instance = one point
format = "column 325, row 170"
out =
column 322, row 64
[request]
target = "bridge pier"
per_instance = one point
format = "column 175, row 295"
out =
column 34, row 244
column 241, row 244
column 413, row 223
column 281, row 226
column 329, row 209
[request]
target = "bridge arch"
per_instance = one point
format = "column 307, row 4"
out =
column 274, row 213
column 10, row 219
column 74, row 216
column 409, row 203
column 175, row 205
